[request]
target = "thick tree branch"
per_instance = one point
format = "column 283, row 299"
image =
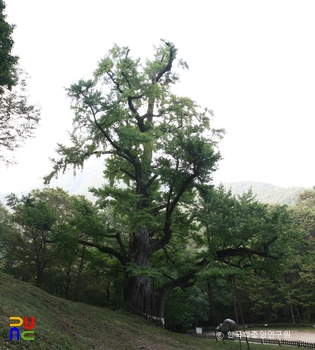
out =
column 122, row 248
column 183, row 188
column 130, row 99
column 168, row 257
column 169, row 212
column 185, row 280
column 157, row 209
column 102, row 249
column 131, row 106
column 134, row 111
column 115, row 82
column 124, row 153
column 168, row 67
column 128, row 173
column 151, row 181
column 247, row 252
column 127, row 80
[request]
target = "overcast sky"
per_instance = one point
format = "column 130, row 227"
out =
column 251, row 62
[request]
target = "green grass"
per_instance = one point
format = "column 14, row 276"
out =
column 64, row 325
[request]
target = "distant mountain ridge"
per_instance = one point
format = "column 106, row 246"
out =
column 266, row 193
column 92, row 176
column 79, row 184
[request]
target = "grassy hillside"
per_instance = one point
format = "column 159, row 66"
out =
column 266, row 193
column 64, row 325
column 60, row 324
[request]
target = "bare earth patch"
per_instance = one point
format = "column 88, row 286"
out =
column 304, row 335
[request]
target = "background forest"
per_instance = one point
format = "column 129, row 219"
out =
column 35, row 249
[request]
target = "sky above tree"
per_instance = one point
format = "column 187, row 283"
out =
column 252, row 63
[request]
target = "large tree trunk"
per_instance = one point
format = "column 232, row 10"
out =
column 138, row 294
column 141, row 299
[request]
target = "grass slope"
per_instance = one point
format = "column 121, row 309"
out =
column 61, row 324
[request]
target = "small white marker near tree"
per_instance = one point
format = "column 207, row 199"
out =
column 198, row 330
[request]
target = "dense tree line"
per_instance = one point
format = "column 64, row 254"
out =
column 54, row 241
column 18, row 117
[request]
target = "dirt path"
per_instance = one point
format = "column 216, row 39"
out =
column 304, row 335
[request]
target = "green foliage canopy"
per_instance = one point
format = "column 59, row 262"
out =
column 7, row 60
column 18, row 118
column 158, row 148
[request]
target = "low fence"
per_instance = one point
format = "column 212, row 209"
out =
column 298, row 343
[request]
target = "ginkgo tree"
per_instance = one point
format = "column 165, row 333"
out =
column 159, row 149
